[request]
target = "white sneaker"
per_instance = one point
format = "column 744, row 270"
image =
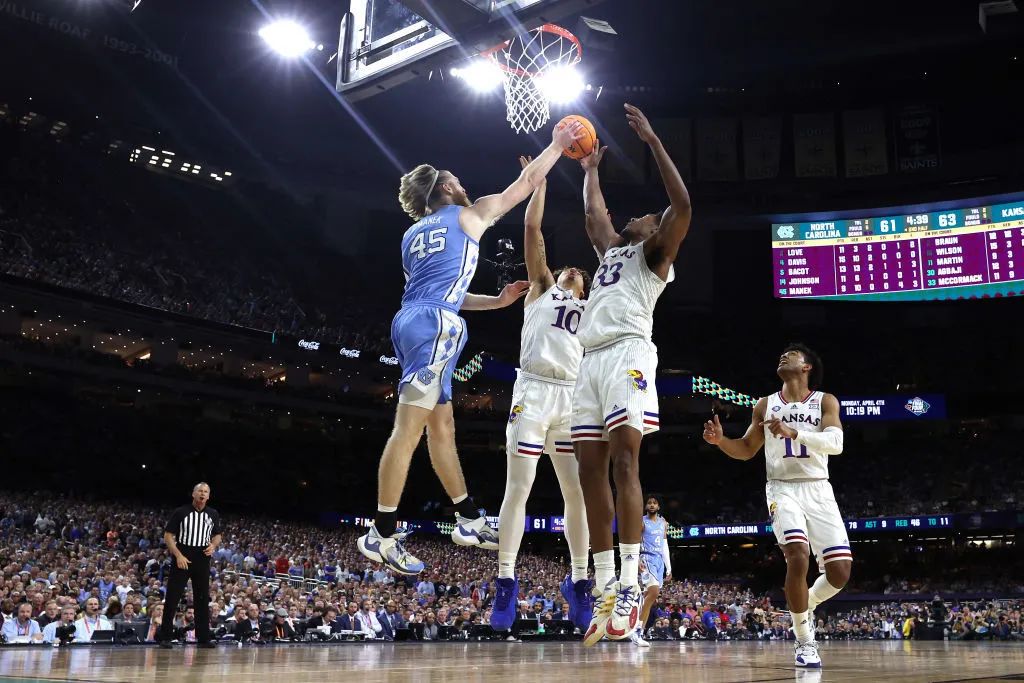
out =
column 638, row 639
column 626, row 612
column 604, row 604
column 807, row 655
column 474, row 532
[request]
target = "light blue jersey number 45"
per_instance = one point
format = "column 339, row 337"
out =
column 433, row 243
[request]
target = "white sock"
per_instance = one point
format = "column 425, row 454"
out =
column 822, row 590
column 629, row 558
column 506, row 564
column 519, row 476
column 802, row 627
column 579, row 568
column 577, row 533
column 604, row 568
column 461, row 498
column 386, row 508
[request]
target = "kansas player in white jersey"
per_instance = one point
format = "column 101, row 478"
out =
column 439, row 257
column 799, row 428
column 539, row 421
column 616, row 401
column 655, row 563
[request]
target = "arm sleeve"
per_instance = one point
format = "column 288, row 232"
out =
column 827, row 442
column 666, row 555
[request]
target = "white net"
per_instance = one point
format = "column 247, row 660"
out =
column 525, row 61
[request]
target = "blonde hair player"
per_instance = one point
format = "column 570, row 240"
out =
column 539, row 421
column 616, row 402
column 799, row 428
column 439, row 259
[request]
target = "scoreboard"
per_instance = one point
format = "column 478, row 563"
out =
column 967, row 253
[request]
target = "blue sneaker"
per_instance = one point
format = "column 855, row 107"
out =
column 584, row 590
column 503, row 614
column 390, row 552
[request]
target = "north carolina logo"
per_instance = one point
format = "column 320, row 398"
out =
column 786, row 232
column 772, row 508
column 639, row 383
column 425, row 376
column 517, row 410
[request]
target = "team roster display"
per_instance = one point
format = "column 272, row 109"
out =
column 954, row 254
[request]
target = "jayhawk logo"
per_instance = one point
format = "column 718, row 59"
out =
column 639, row 383
column 517, row 410
column 772, row 507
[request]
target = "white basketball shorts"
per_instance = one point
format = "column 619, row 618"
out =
column 807, row 512
column 540, row 417
column 615, row 389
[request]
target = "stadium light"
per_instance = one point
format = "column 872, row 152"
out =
column 481, row 75
column 561, row 84
column 287, row 38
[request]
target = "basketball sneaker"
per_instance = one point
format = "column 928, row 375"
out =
column 389, row 551
column 638, row 639
column 602, row 612
column 474, row 532
column 807, row 655
column 503, row 614
column 581, row 600
column 625, row 615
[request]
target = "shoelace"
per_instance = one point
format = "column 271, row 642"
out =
column 623, row 601
column 403, row 555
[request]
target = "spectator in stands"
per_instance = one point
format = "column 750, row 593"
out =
column 390, row 620
column 349, row 621
column 127, row 615
column 50, row 614
column 91, row 621
column 155, row 617
column 430, row 629
column 22, row 628
column 66, row 619
column 248, row 630
column 279, row 628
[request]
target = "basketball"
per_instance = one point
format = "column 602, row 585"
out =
column 584, row 145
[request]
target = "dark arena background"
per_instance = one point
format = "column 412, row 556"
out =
column 200, row 262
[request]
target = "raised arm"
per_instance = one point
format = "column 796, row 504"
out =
column 662, row 248
column 537, row 270
column 745, row 447
column 485, row 211
column 599, row 226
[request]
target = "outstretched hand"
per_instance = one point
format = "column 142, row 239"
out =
column 566, row 135
column 513, row 292
column 713, row 431
column 639, row 123
column 593, row 160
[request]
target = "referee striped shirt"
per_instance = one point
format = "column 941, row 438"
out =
column 193, row 528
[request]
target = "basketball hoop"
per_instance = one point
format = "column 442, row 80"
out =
column 524, row 62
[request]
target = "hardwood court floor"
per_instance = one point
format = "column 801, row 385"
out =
column 556, row 662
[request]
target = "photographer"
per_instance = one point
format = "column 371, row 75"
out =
column 62, row 630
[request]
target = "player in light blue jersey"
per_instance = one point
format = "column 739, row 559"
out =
column 655, row 563
column 439, row 257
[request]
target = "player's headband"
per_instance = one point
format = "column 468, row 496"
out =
column 430, row 190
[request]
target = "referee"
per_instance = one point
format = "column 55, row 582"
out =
column 192, row 534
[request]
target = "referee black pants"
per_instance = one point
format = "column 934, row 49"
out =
column 199, row 571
